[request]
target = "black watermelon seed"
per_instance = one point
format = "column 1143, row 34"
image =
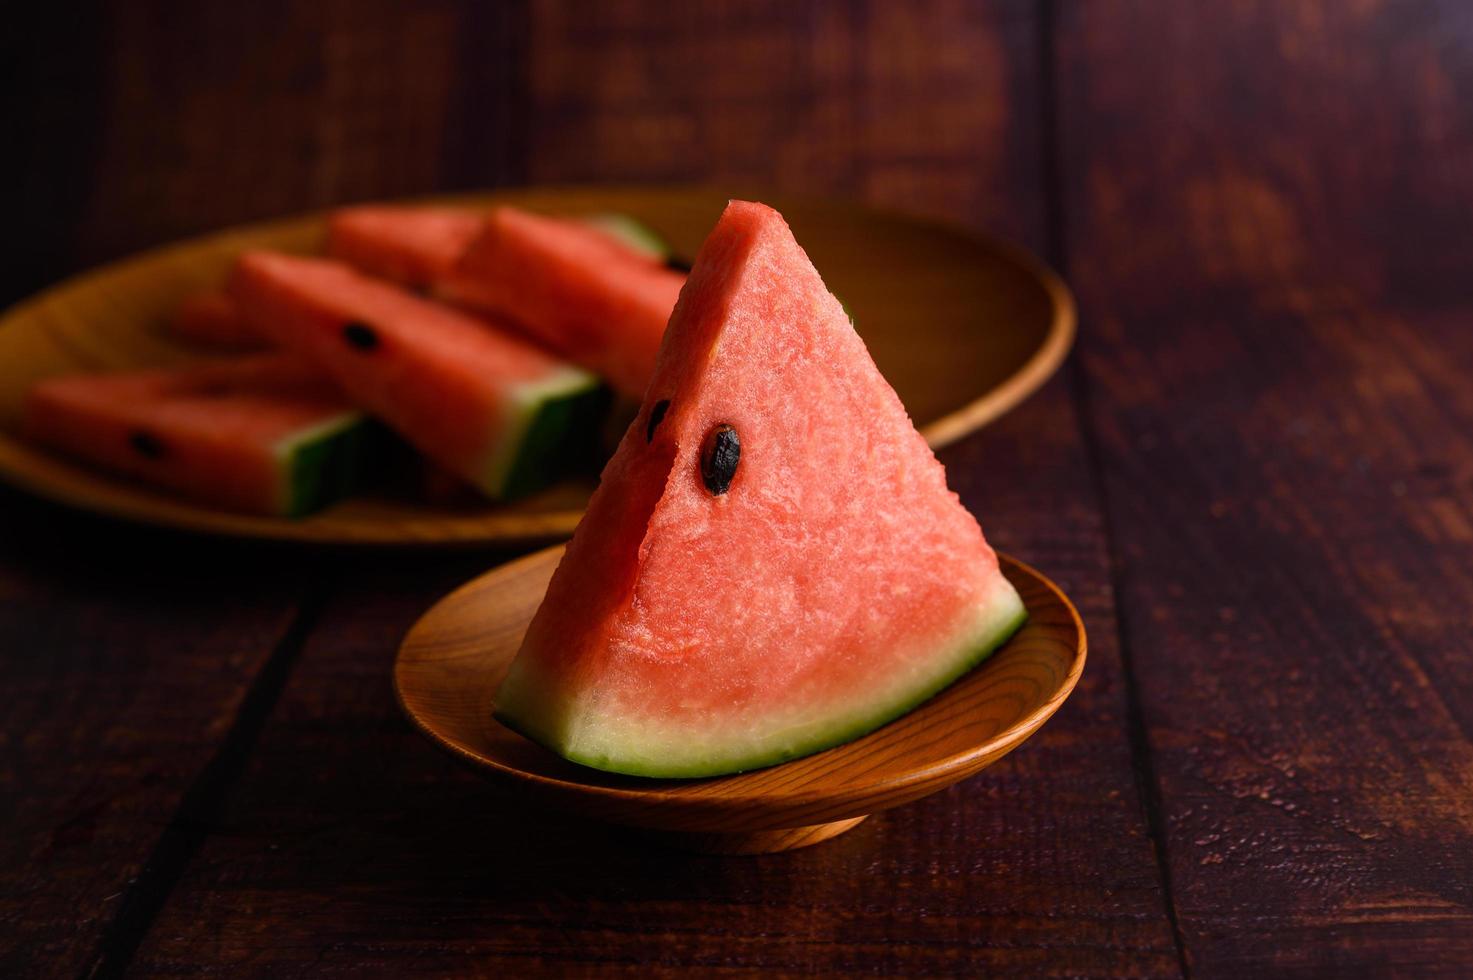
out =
column 719, row 457
column 676, row 263
column 360, row 335
column 146, row 444
column 657, row 415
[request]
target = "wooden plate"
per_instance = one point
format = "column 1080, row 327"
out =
column 452, row 661
column 964, row 327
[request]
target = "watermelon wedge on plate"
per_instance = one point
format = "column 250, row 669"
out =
column 772, row 563
column 267, row 434
column 480, row 401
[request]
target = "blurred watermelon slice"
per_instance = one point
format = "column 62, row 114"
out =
column 210, row 318
column 413, row 246
column 417, row 246
column 267, row 434
column 573, row 288
column 597, row 289
column 479, row 400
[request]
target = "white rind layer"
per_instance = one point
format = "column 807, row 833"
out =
column 644, row 747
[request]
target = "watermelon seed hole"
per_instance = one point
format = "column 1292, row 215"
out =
column 360, row 335
column 146, row 444
column 657, row 415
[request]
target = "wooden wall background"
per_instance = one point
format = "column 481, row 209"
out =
column 1254, row 475
column 142, row 122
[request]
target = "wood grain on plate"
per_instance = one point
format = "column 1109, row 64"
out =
column 963, row 326
column 454, row 658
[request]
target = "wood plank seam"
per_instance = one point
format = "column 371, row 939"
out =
column 1056, row 251
column 199, row 808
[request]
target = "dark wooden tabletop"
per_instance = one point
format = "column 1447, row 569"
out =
column 1255, row 476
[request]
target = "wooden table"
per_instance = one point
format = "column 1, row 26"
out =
column 1255, row 475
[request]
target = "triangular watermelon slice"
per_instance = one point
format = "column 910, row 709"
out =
column 487, row 405
column 419, row 246
column 576, row 289
column 267, row 434
column 773, row 563
column 415, row 246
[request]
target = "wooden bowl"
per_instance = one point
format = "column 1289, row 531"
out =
column 963, row 326
column 453, row 659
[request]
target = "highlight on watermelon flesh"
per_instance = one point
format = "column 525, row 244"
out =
column 479, row 400
column 572, row 288
column 266, row 434
column 210, row 318
column 717, row 612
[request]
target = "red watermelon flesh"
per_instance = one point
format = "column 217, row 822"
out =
column 835, row 584
column 266, row 434
column 210, row 318
column 482, row 402
column 415, row 246
column 418, row 246
column 574, row 288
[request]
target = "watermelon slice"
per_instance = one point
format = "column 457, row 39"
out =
column 772, row 563
column 412, row 246
column 573, row 288
column 483, row 403
column 267, row 434
column 417, row 246
column 211, row 319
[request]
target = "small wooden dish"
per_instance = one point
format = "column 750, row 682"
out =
column 452, row 660
column 964, row 326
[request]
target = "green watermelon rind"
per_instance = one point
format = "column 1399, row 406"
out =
column 537, row 443
column 324, row 463
column 629, row 230
column 971, row 655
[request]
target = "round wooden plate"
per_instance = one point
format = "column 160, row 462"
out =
column 963, row 326
column 453, row 659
